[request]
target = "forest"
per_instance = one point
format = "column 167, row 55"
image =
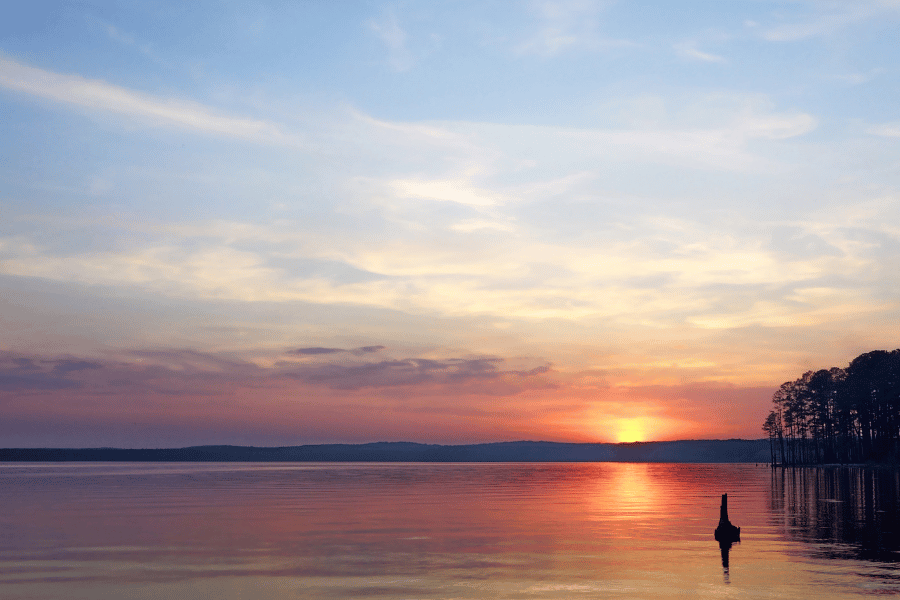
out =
column 839, row 416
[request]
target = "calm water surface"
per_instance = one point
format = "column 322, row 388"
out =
column 327, row 530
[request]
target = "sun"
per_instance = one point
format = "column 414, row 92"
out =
column 631, row 430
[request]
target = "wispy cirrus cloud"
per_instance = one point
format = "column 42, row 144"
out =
column 428, row 372
column 191, row 372
column 885, row 129
column 563, row 25
column 319, row 351
column 98, row 95
column 315, row 351
column 457, row 191
column 828, row 18
column 690, row 51
column 392, row 35
column 27, row 373
column 127, row 40
column 684, row 261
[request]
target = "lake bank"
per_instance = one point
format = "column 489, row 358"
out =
column 682, row 451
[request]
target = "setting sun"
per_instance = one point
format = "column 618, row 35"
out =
column 631, row 430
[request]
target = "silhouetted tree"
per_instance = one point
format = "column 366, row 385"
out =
column 839, row 415
column 772, row 427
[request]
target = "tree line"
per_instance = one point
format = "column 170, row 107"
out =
column 835, row 415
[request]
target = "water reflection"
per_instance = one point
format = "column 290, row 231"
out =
column 725, row 549
column 569, row 527
column 847, row 512
column 462, row 531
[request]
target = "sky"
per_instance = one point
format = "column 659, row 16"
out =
column 280, row 223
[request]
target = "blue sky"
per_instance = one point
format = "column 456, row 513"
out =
column 578, row 220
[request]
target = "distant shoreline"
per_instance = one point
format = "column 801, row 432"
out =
column 683, row 451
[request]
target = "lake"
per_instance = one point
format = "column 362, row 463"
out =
column 487, row 530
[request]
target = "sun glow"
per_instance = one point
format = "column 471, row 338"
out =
column 631, row 430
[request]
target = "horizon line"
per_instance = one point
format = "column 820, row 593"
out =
column 636, row 443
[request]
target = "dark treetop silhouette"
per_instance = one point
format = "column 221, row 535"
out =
column 835, row 415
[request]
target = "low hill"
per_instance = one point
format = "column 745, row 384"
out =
column 684, row 451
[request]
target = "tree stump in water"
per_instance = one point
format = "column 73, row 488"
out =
column 726, row 533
